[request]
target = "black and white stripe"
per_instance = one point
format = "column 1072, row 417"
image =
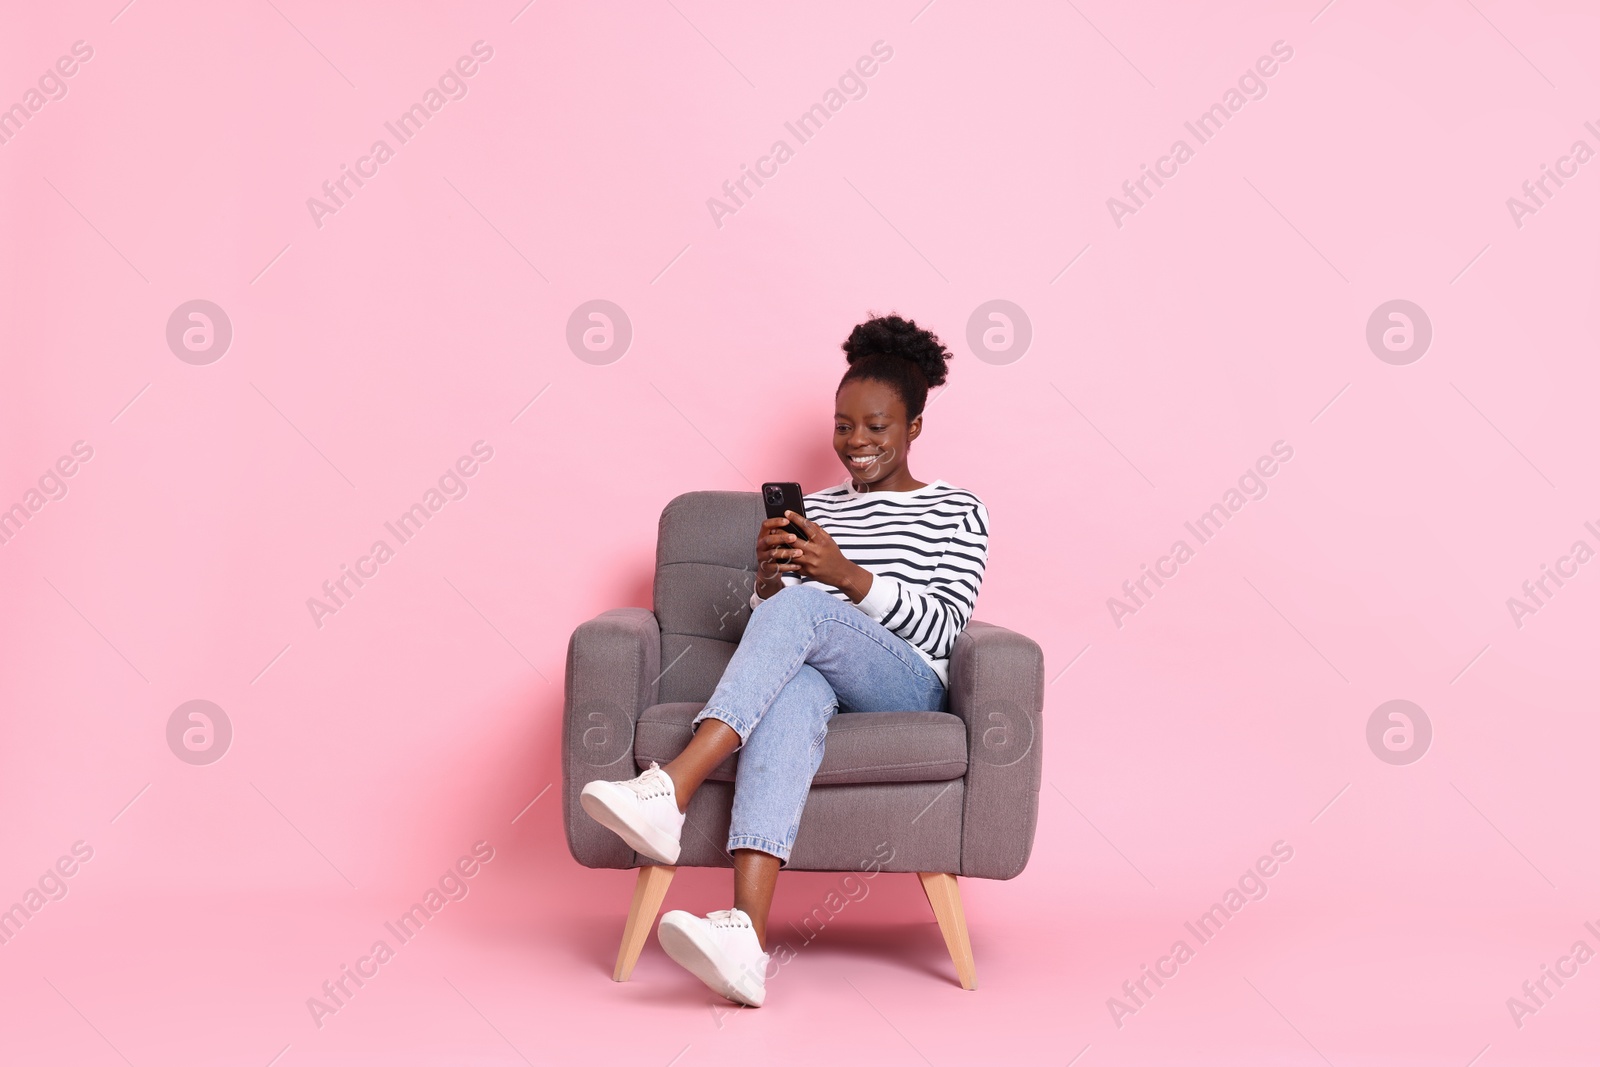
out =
column 926, row 548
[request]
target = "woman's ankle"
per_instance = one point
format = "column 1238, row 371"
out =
column 682, row 790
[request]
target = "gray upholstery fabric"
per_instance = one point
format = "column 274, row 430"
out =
column 692, row 666
column 612, row 663
column 880, row 746
column 709, row 600
column 997, row 686
column 705, row 573
column 931, row 804
column 907, row 826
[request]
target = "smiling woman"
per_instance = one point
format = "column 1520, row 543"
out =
column 860, row 615
column 912, row 553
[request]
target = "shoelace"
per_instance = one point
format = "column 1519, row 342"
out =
column 652, row 783
column 730, row 917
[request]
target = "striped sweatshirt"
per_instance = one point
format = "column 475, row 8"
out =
column 926, row 548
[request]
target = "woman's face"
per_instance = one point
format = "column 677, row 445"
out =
column 871, row 423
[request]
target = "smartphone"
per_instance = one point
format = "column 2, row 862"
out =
column 784, row 496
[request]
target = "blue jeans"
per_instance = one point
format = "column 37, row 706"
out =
column 805, row 655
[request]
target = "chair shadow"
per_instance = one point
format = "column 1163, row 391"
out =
column 588, row 945
column 914, row 947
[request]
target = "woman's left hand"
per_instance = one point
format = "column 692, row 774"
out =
column 820, row 558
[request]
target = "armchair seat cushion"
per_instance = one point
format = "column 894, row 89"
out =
column 862, row 747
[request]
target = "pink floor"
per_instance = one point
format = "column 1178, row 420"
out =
column 1390, row 968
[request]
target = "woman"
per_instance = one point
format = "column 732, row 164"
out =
column 860, row 617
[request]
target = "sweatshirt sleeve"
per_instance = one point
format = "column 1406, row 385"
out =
column 756, row 598
column 932, row 616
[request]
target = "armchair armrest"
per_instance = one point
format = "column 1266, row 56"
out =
column 997, row 687
column 613, row 670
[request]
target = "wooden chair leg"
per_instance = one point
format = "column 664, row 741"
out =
column 945, row 896
column 934, row 912
column 648, row 892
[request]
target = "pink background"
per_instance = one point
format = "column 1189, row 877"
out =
column 369, row 353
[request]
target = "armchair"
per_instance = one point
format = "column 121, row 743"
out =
column 952, row 794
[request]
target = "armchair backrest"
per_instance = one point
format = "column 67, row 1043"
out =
column 705, row 573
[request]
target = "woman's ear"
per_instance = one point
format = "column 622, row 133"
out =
column 913, row 429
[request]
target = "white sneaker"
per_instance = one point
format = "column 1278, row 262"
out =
column 721, row 950
column 643, row 811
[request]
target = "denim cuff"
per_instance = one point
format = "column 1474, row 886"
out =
column 763, row 844
column 709, row 712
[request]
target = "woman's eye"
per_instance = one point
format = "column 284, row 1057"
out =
column 877, row 429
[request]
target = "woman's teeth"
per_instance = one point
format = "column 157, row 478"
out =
column 863, row 461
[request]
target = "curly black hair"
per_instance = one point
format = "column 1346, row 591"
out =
column 899, row 353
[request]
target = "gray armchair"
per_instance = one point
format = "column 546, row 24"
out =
column 935, row 793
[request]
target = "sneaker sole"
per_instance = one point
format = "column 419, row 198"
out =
column 701, row 959
column 646, row 840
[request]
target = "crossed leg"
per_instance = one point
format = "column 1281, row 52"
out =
column 803, row 653
column 776, row 766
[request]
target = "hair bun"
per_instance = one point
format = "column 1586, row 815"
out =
column 891, row 335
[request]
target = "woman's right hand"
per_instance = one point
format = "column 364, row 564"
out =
column 772, row 556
